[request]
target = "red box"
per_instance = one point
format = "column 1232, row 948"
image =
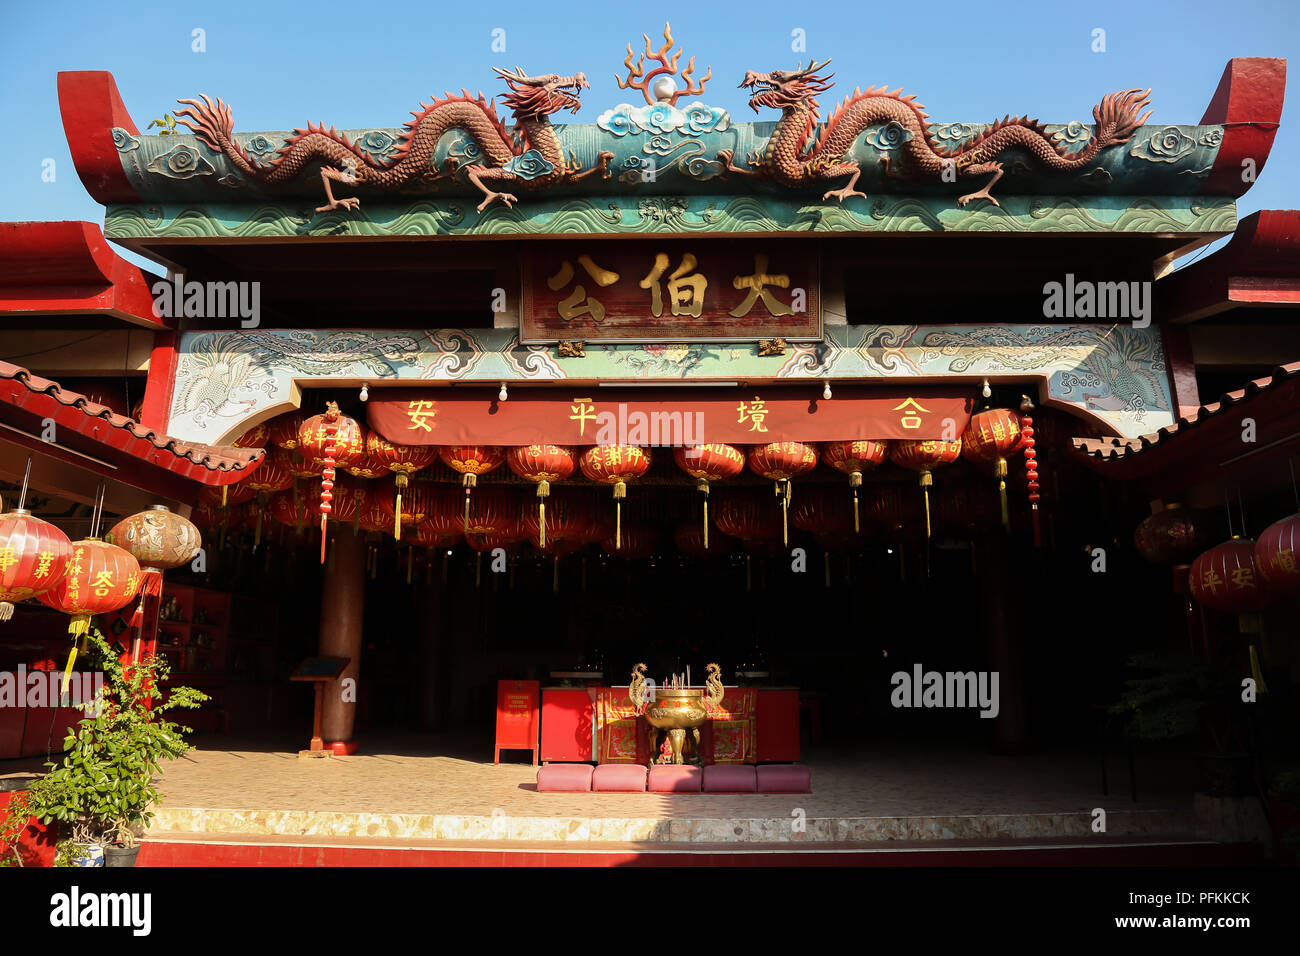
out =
column 567, row 715
column 517, row 716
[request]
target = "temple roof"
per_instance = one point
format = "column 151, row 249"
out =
column 102, row 433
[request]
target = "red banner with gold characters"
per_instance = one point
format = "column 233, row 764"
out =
column 670, row 292
column 586, row 415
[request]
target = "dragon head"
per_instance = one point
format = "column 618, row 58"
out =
column 532, row 97
column 784, row 88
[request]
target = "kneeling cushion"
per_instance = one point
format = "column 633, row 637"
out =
column 564, row 778
column 730, row 778
column 670, row 778
column 619, row 778
column 784, row 778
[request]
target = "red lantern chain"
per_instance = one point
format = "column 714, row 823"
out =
column 1031, row 465
column 331, row 421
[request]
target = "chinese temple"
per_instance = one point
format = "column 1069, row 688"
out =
column 783, row 415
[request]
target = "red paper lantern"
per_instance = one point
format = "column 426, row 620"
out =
column 414, row 508
column 1275, row 555
column 331, row 440
column 690, row 540
column 367, row 467
column 924, row 456
column 471, row 461
column 569, row 519
column 779, row 461
column 34, row 558
column 1226, row 578
column 346, row 434
column 705, row 463
column 1168, row 536
column 268, row 478
column 283, row 430
column 638, row 541
column 427, row 535
column 296, row 511
column 349, row 498
column 616, row 465
column 542, row 464
column 255, row 437
column 101, row 577
column 820, row 511
column 746, row 515
column 400, row 460
column 854, row 458
column 990, row 438
column 226, row 496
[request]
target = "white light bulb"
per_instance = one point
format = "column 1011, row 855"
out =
column 365, row 392
column 503, row 394
column 987, row 391
column 826, row 392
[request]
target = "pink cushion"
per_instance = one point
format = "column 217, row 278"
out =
column 784, row 778
column 619, row 777
column 564, row 777
column 669, row 778
column 730, row 778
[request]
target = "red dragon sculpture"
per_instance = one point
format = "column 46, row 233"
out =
column 800, row 153
column 531, row 98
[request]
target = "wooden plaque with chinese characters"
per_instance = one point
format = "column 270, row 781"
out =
column 674, row 290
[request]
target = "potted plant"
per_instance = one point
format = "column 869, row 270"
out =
column 1180, row 698
column 102, row 792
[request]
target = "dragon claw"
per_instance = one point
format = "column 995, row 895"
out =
column 982, row 194
column 842, row 194
column 506, row 199
column 351, row 202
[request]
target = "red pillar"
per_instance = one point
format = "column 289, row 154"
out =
column 341, row 616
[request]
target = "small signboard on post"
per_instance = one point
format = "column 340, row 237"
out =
column 319, row 671
column 518, row 709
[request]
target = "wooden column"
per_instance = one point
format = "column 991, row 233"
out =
column 1002, row 622
column 342, row 610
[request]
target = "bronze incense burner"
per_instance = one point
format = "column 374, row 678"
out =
column 674, row 711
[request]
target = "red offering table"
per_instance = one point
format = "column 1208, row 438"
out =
column 567, row 724
column 517, row 716
column 778, row 725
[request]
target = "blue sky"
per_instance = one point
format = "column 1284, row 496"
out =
column 366, row 64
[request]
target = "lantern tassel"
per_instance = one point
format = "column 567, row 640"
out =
column 618, row 524
column 1000, row 472
column 397, row 521
column 467, row 510
column 323, row 519
column 857, row 527
column 6, row 610
column 541, row 521
column 706, row 522
column 78, row 627
column 1256, row 673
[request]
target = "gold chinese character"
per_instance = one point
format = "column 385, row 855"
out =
column 909, row 418
column 43, row 562
column 7, row 558
column 755, row 412
column 757, row 285
column 1243, row 577
column 569, row 307
column 420, row 412
column 685, row 292
column 583, row 412
column 103, row 582
column 1210, row 580
column 1286, row 561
